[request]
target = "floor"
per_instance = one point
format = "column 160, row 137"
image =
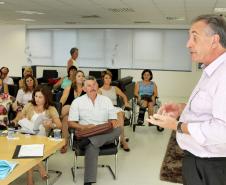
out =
column 140, row 166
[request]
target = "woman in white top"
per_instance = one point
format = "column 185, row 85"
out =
column 112, row 92
column 41, row 104
column 24, row 95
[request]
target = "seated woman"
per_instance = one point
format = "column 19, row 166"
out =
column 24, row 95
column 146, row 93
column 69, row 94
column 67, row 80
column 3, row 86
column 27, row 72
column 41, row 104
column 112, row 92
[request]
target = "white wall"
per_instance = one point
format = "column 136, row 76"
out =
column 171, row 85
column 12, row 44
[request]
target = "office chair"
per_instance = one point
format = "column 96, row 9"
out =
column 107, row 149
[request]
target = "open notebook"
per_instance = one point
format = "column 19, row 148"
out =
column 29, row 151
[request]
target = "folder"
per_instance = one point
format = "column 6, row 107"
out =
column 29, row 151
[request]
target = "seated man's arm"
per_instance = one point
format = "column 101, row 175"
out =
column 77, row 126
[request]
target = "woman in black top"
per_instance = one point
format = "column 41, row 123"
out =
column 69, row 94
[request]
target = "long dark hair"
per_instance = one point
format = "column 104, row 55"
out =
column 46, row 93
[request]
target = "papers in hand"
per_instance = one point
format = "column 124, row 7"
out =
column 34, row 150
column 29, row 127
column 26, row 126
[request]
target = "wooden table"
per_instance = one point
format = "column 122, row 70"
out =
column 7, row 149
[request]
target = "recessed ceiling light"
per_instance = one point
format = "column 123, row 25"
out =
column 27, row 20
column 142, row 22
column 175, row 18
column 29, row 12
column 219, row 9
column 2, row 2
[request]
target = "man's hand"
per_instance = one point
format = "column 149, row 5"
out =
column 171, row 109
column 163, row 121
column 115, row 123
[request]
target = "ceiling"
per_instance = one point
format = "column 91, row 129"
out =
column 106, row 12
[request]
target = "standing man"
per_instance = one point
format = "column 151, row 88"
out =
column 72, row 61
column 87, row 111
column 201, row 130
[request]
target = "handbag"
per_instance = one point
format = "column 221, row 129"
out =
column 97, row 130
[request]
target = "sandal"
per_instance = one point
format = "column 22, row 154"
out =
column 125, row 147
column 45, row 177
column 63, row 149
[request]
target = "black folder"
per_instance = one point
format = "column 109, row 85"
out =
column 16, row 153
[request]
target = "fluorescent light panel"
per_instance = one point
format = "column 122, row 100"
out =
column 26, row 20
column 29, row 12
column 219, row 9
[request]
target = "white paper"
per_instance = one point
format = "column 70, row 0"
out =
column 34, row 150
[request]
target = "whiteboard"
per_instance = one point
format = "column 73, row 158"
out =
column 160, row 49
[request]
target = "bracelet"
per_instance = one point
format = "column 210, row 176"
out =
column 53, row 125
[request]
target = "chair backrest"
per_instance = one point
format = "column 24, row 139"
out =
column 57, row 95
column 96, row 74
column 47, row 74
column 125, row 81
column 129, row 90
column 13, row 89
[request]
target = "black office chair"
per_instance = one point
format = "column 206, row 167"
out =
column 107, row 149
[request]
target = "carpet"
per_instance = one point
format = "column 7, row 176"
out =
column 171, row 169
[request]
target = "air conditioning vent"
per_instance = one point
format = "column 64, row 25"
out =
column 121, row 10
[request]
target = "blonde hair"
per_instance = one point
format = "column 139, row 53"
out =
column 28, row 69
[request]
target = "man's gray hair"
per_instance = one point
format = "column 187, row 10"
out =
column 89, row 78
column 216, row 24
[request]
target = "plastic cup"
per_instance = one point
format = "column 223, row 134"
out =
column 11, row 133
column 57, row 133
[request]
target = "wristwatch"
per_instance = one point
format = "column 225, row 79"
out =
column 179, row 129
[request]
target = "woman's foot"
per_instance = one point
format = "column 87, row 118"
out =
column 63, row 149
column 125, row 146
column 43, row 173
